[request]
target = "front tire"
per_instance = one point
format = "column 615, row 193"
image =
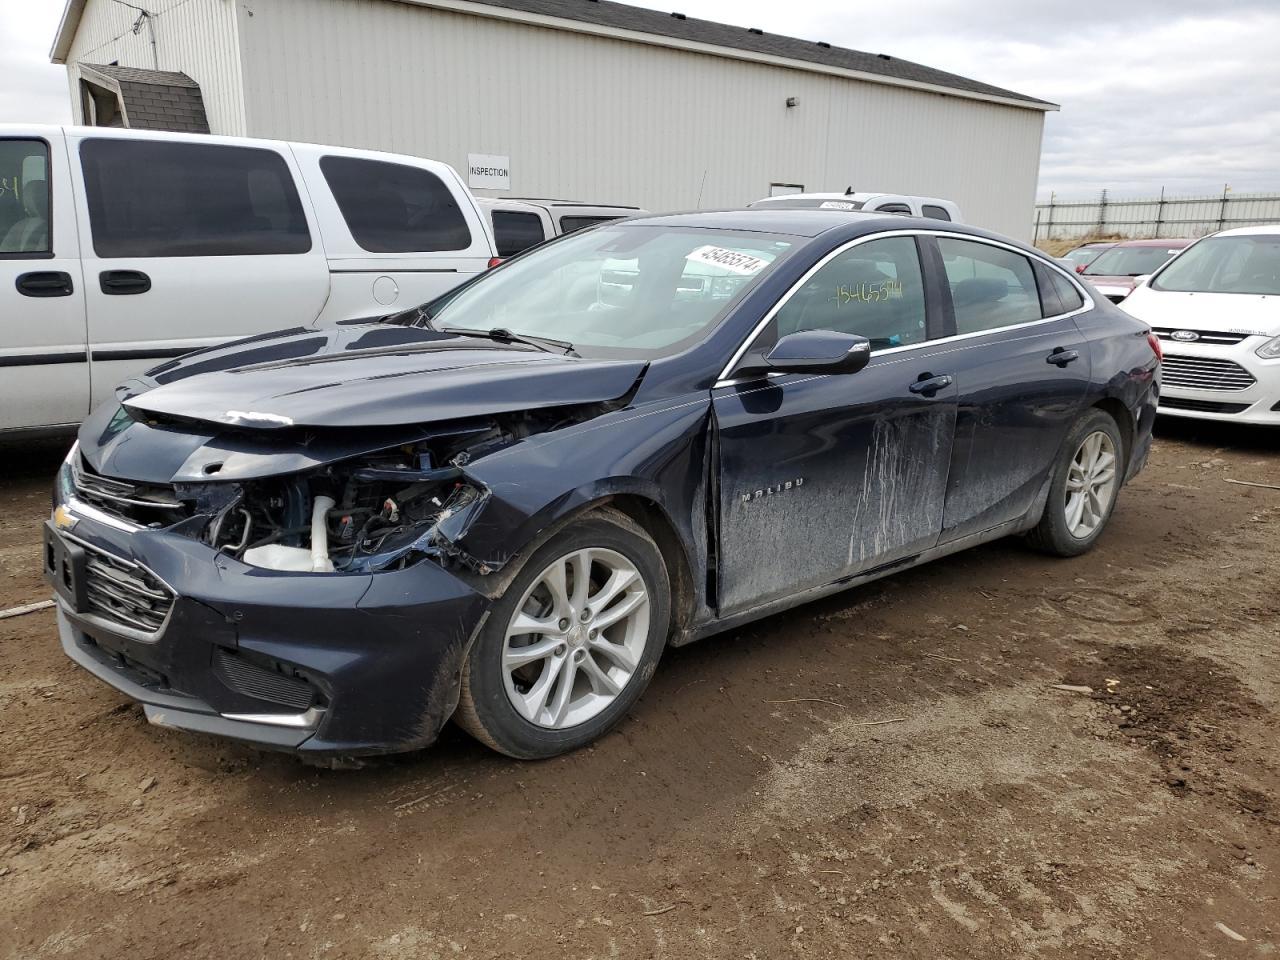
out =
column 572, row 642
column 1083, row 491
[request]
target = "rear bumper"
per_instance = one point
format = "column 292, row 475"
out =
column 312, row 663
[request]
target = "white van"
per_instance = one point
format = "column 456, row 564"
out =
column 119, row 248
column 519, row 224
column 935, row 208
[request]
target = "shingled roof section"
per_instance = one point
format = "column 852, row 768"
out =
column 679, row 27
column 156, row 99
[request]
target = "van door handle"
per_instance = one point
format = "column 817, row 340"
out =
column 1061, row 356
column 45, row 283
column 119, row 283
column 928, row 384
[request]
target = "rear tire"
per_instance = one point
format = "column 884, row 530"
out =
column 1084, row 489
column 571, row 644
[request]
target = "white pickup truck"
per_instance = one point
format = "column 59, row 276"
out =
column 119, row 248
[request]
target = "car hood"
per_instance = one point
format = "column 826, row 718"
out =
column 369, row 375
column 1220, row 312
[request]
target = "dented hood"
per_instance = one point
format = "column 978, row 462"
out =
column 370, row 375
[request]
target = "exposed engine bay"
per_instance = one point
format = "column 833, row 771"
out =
column 377, row 511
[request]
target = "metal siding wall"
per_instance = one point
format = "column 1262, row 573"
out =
column 196, row 37
column 615, row 121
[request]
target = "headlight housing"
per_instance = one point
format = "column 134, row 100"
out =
column 1270, row 350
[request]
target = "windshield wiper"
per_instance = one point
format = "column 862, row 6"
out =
column 503, row 335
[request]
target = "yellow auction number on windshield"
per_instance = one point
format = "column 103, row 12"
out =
column 868, row 292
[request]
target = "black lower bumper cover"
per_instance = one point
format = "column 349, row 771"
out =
column 382, row 652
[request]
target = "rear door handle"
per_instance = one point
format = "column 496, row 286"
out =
column 119, row 283
column 927, row 385
column 1061, row 356
column 45, row 283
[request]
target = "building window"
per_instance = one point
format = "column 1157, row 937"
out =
column 515, row 232
column 24, row 199
column 394, row 208
column 151, row 198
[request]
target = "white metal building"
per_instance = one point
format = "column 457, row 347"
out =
column 572, row 98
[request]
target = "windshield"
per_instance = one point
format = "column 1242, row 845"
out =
column 1084, row 254
column 1248, row 264
column 622, row 290
column 1129, row 261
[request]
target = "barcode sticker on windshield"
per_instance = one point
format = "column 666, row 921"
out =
column 837, row 205
column 731, row 260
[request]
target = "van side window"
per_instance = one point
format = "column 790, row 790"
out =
column 514, row 232
column 152, row 198
column 990, row 287
column 24, row 199
column 934, row 212
column 569, row 223
column 394, row 208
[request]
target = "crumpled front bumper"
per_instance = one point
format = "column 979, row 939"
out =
column 313, row 663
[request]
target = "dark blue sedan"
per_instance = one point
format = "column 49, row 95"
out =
column 502, row 506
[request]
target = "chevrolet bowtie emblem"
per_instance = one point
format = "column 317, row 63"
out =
column 63, row 519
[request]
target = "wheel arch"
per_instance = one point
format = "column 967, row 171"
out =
column 1124, row 418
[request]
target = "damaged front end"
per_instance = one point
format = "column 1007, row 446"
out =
column 374, row 511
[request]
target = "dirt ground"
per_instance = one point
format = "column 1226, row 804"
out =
column 887, row 773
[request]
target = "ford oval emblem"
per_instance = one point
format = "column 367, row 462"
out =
column 1184, row 336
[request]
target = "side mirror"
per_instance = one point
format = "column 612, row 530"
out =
column 1139, row 281
column 812, row 351
column 1080, row 267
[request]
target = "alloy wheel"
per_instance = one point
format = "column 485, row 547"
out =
column 1091, row 484
column 576, row 638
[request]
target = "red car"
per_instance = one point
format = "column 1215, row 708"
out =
column 1116, row 271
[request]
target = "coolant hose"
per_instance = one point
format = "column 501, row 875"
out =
column 320, row 562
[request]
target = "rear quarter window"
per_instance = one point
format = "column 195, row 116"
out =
column 569, row 223
column 394, row 208
column 515, row 232
column 150, row 198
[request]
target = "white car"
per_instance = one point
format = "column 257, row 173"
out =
column 932, row 207
column 1216, row 309
column 519, row 224
column 121, row 248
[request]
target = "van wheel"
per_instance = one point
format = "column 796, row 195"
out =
column 571, row 644
column 1084, row 488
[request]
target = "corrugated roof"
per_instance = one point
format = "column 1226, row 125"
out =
column 641, row 20
column 155, row 99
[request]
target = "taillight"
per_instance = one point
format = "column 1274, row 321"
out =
column 1155, row 346
column 494, row 261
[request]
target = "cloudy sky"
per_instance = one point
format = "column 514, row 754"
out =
column 1174, row 93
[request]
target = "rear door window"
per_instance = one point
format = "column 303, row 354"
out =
column 569, row 223
column 151, row 198
column 514, row 232
column 394, row 208
column 24, row 199
column 991, row 287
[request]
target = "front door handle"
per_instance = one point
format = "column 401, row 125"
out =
column 927, row 385
column 1061, row 356
column 45, row 283
column 119, row 283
